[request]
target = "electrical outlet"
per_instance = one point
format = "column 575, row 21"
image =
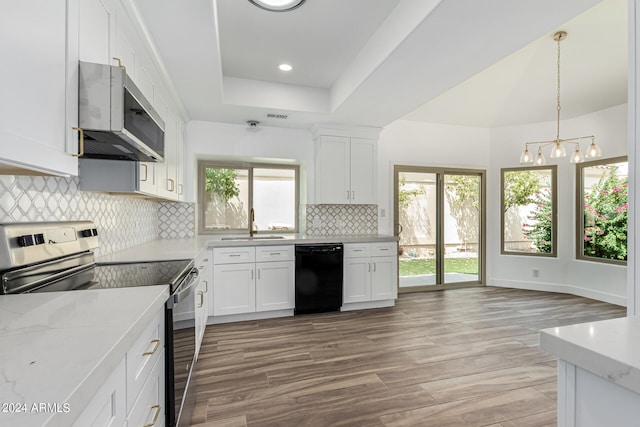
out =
column 535, row 272
column 383, row 213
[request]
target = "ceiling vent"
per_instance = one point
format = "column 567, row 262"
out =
column 277, row 116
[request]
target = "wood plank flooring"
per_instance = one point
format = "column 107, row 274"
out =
column 463, row 357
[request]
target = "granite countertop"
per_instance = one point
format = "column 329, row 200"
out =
column 170, row 249
column 59, row 347
column 607, row 348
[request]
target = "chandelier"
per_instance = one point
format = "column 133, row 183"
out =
column 558, row 145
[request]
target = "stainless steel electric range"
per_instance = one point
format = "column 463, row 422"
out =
column 59, row 256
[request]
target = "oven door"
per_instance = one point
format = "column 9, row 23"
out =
column 181, row 337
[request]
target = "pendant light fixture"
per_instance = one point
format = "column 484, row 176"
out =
column 558, row 149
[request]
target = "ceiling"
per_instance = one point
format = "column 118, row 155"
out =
column 358, row 62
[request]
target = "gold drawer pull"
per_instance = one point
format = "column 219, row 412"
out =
column 80, row 143
column 206, row 286
column 201, row 298
column 155, row 347
column 158, row 409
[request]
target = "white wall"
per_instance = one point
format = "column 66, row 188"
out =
column 564, row 273
column 224, row 141
column 406, row 142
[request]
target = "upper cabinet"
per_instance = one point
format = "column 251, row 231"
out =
column 345, row 166
column 39, row 102
column 108, row 35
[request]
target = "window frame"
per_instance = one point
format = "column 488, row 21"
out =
column 554, row 211
column 250, row 166
column 580, row 210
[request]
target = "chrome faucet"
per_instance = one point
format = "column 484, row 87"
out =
column 253, row 218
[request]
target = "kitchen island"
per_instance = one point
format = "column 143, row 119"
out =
column 59, row 348
column 598, row 372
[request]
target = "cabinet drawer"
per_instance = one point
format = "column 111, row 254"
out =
column 356, row 250
column 384, row 249
column 274, row 253
column 234, row 255
column 150, row 404
column 142, row 357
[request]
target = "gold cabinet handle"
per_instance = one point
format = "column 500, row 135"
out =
column 155, row 347
column 120, row 63
column 201, row 298
column 206, row 286
column 146, row 172
column 158, row 409
column 180, row 189
column 171, row 187
column 80, row 143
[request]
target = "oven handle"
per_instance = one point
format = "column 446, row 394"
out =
column 186, row 286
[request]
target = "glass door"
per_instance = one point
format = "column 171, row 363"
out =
column 439, row 218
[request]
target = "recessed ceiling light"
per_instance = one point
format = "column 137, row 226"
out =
column 277, row 5
column 285, row 67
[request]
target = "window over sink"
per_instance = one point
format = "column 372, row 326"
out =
column 229, row 191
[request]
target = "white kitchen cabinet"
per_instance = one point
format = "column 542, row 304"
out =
column 275, row 285
column 204, row 290
column 39, row 85
column 96, row 30
column 134, row 393
column 345, row 170
column 370, row 272
column 108, row 406
column 253, row 279
column 234, row 288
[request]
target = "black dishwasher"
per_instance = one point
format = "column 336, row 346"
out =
column 318, row 278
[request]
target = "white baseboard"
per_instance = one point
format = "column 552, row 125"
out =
column 367, row 305
column 212, row 320
column 563, row 289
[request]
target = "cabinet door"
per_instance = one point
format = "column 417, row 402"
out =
column 180, row 161
column 96, row 27
column 108, row 406
column 275, row 286
column 39, row 101
column 363, row 171
column 384, row 279
column 234, row 290
column 332, row 170
column 356, row 284
column 148, row 409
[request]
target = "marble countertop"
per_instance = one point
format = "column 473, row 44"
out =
column 170, row 249
column 607, row 348
column 58, row 348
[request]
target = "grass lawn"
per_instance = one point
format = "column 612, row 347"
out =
column 414, row 267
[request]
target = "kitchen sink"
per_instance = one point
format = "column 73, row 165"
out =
column 254, row 238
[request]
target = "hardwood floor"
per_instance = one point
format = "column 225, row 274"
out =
column 464, row 357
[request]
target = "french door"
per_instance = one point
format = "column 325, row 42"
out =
column 440, row 219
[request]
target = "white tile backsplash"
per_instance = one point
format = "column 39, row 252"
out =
column 177, row 220
column 122, row 222
column 351, row 220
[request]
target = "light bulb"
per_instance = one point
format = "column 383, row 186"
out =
column 526, row 157
column 577, row 156
column 558, row 151
column 540, row 160
column 593, row 151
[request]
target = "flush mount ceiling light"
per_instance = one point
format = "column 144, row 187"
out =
column 285, row 67
column 557, row 144
column 278, row 5
column 252, row 125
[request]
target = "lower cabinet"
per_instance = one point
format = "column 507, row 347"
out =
column 253, row 279
column 134, row 393
column 203, row 289
column 370, row 272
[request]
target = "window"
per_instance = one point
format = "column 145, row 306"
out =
column 602, row 209
column 528, row 214
column 229, row 191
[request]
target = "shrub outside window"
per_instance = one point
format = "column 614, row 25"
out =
column 229, row 191
column 528, row 211
column 602, row 208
